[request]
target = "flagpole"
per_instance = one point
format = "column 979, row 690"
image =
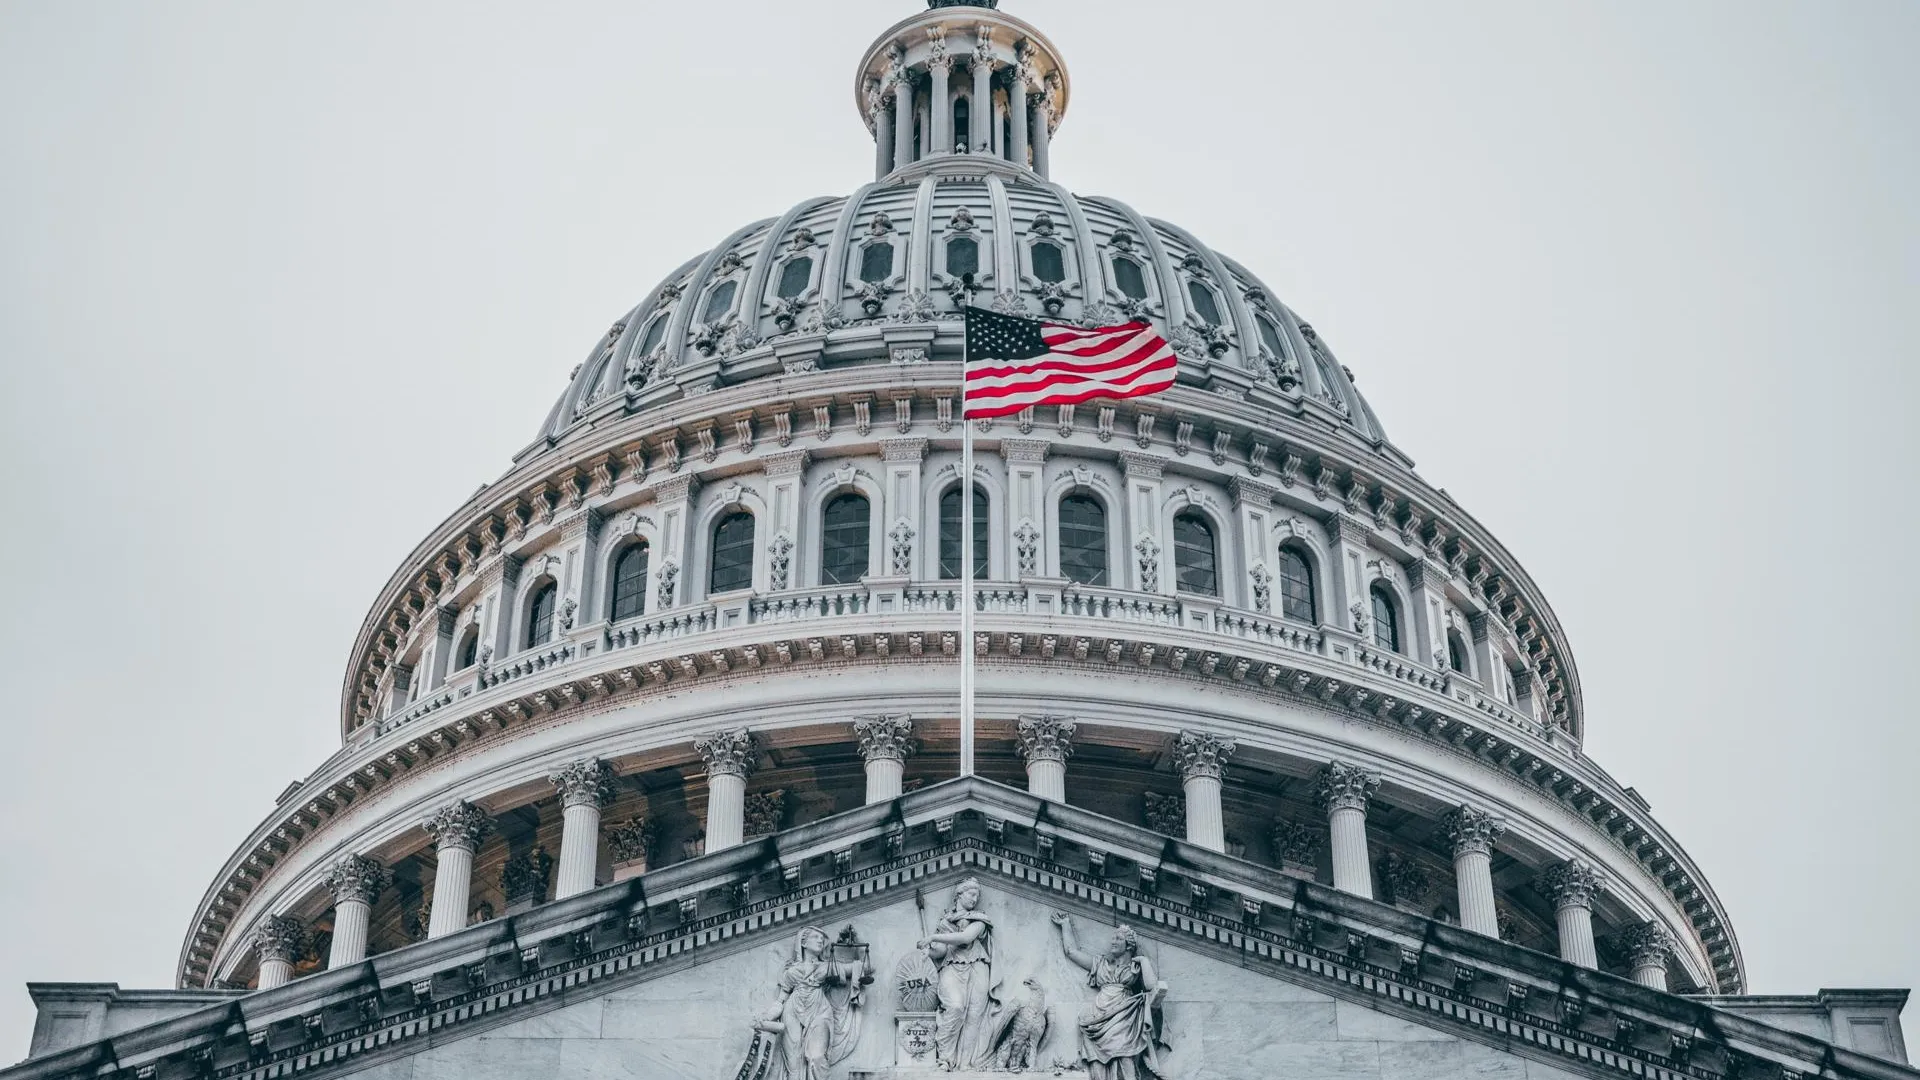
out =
column 966, row 579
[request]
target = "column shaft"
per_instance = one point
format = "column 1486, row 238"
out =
column 903, row 115
column 349, row 933
column 884, row 776
column 941, row 107
column 1473, row 872
column 1042, row 137
column 1205, row 824
column 980, row 109
column 1017, row 112
column 452, row 889
column 1654, row 975
column 1576, row 935
column 1352, row 870
column 579, row 849
column 1047, row 778
column 882, row 142
column 274, row 973
column 726, row 810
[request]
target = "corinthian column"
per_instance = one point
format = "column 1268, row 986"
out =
column 1201, row 759
column 1649, row 945
column 940, row 108
column 1472, row 833
column 457, row 830
column 980, row 109
column 1043, row 114
column 1344, row 791
column 903, row 114
column 1572, row 886
column 278, row 942
column 355, row 883
column 730, row 757
column 584, row 786
column 886, row 742
column 1017, row 104
column 1046, row 742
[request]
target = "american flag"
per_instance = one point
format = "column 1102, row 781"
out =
column 1014, row 363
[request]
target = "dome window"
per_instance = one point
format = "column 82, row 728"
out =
column 950, row 553
column 1296, row 588
column 650, row 340
column 1130, row 278
column 630, row 582
column 845, row 530
column 962, row 124
column 1048, row 265
column 732, row 554
column 1386, row 619
column 1204, row 304
column 1270, row 336
column 1456, row 652
column 719, row 302
column 469, row 651
column 876, row 263
column 540, row 616
column 1196, row 563
column 795, row 277
column 963, row 256
column 1083, row 540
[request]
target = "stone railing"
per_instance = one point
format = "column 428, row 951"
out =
column 528, row 663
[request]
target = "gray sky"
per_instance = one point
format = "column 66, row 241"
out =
column 281, row 284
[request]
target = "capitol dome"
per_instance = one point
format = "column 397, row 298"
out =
column 683, row 687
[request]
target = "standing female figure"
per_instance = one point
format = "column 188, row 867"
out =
column 1118, row 1027
column 817, row 1018
column 962, row 946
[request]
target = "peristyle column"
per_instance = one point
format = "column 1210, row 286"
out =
column 1344, row 790
column 980, row 109
column 457, row 830
column 940, row 105
column 730, row 757
column 1201, row 759
column 1043, row 114
column 886, row 742
column 882, row 130
column 903, row 114
column 1572, row 886
column 584, row 786
column 355, row 882
column 278, row 942
column 1017, row 108
column 1046, row 742
column 1472, row 832
column 1649, row 945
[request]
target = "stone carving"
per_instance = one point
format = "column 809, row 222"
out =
column 780, row 562
column 1023, row 1030
column 282, row 938
column 1006, row 303
column 906, row 355
column 588, row 782
column 1402, row 880
column 1026, row 546
column 1340, row 786
column 1262, row 587
column 1148, row 549
column 1296, row 843
column 1166, row 814
column 630, row 841
column 1053, row 296
column 639, row 369
column 961, row 221
column 1200, row 754
column 814, row 1023
column 568, row 610
column 884, row 737
column 525, row 877
column 1046, row 738
column 873, row 296
column 728, row 753
column 458, row 825
column 1647, row 945
column 357, row 878
column 1042, row 224
column 961, row 948
column 1285, row 370
column 1188, row 343
column 786, row 311
column 902, row 537
column 1573, row 883
column 669, row 577
column 1468, row 829
column 762, row 813
column 1119, row 1030
column 916, row 307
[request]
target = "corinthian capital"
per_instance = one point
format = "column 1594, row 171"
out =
column 728, row 753
column 1340, row 786
column 280, row 937
column 1648, row 944
column 458, row 825
column 1046, row 738
column 1471, row 830
column 588, row 782
column 1573, row 883
column 937, row 56
column 357, row 878
column 884, row 737
column 1198, row 754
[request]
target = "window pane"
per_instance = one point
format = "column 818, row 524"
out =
column 1083, row 540
column 1386, row 626
column 656, row 330
column 720, row 302
column 1456, row 653
column 876, row 263
column 950, row 534
column 1296, row 588
column 630, row 583
column 1047, row 264
column 732, row 554
column 1196, row 567
column 1270, row 334
column 540, row 617
column 469, row 651
column 795, row 276
column 1127, row 275
column 1204, row 305
column 844, row 532
column 962, row 123
column 963, row 256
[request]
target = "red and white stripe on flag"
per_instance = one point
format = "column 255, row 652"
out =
column 1126, row 361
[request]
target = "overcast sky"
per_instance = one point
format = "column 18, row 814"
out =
column 281, row 284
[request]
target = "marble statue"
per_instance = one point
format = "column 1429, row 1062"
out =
column 961, row 945
column 1118, row 1028
column 816, row 1021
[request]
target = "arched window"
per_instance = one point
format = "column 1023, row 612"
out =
column 1204, row 304
column 719, row 302
column 962, row 123
column 950, row 553
column 876, row 262
column 963, row 256
column 732, row 554
column 1326, row 378
column 469, row 651
column 845, row 529
column 630, row 582
column 1083, row 540
column 540, row 616
column 1296, row 588
column 795, row 276
column 1048, row 264
column 1131, row 280
column 1195, row 563
column 656, row 330
column 1270, row 336
column 1456, row 652
column 1386, row 619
